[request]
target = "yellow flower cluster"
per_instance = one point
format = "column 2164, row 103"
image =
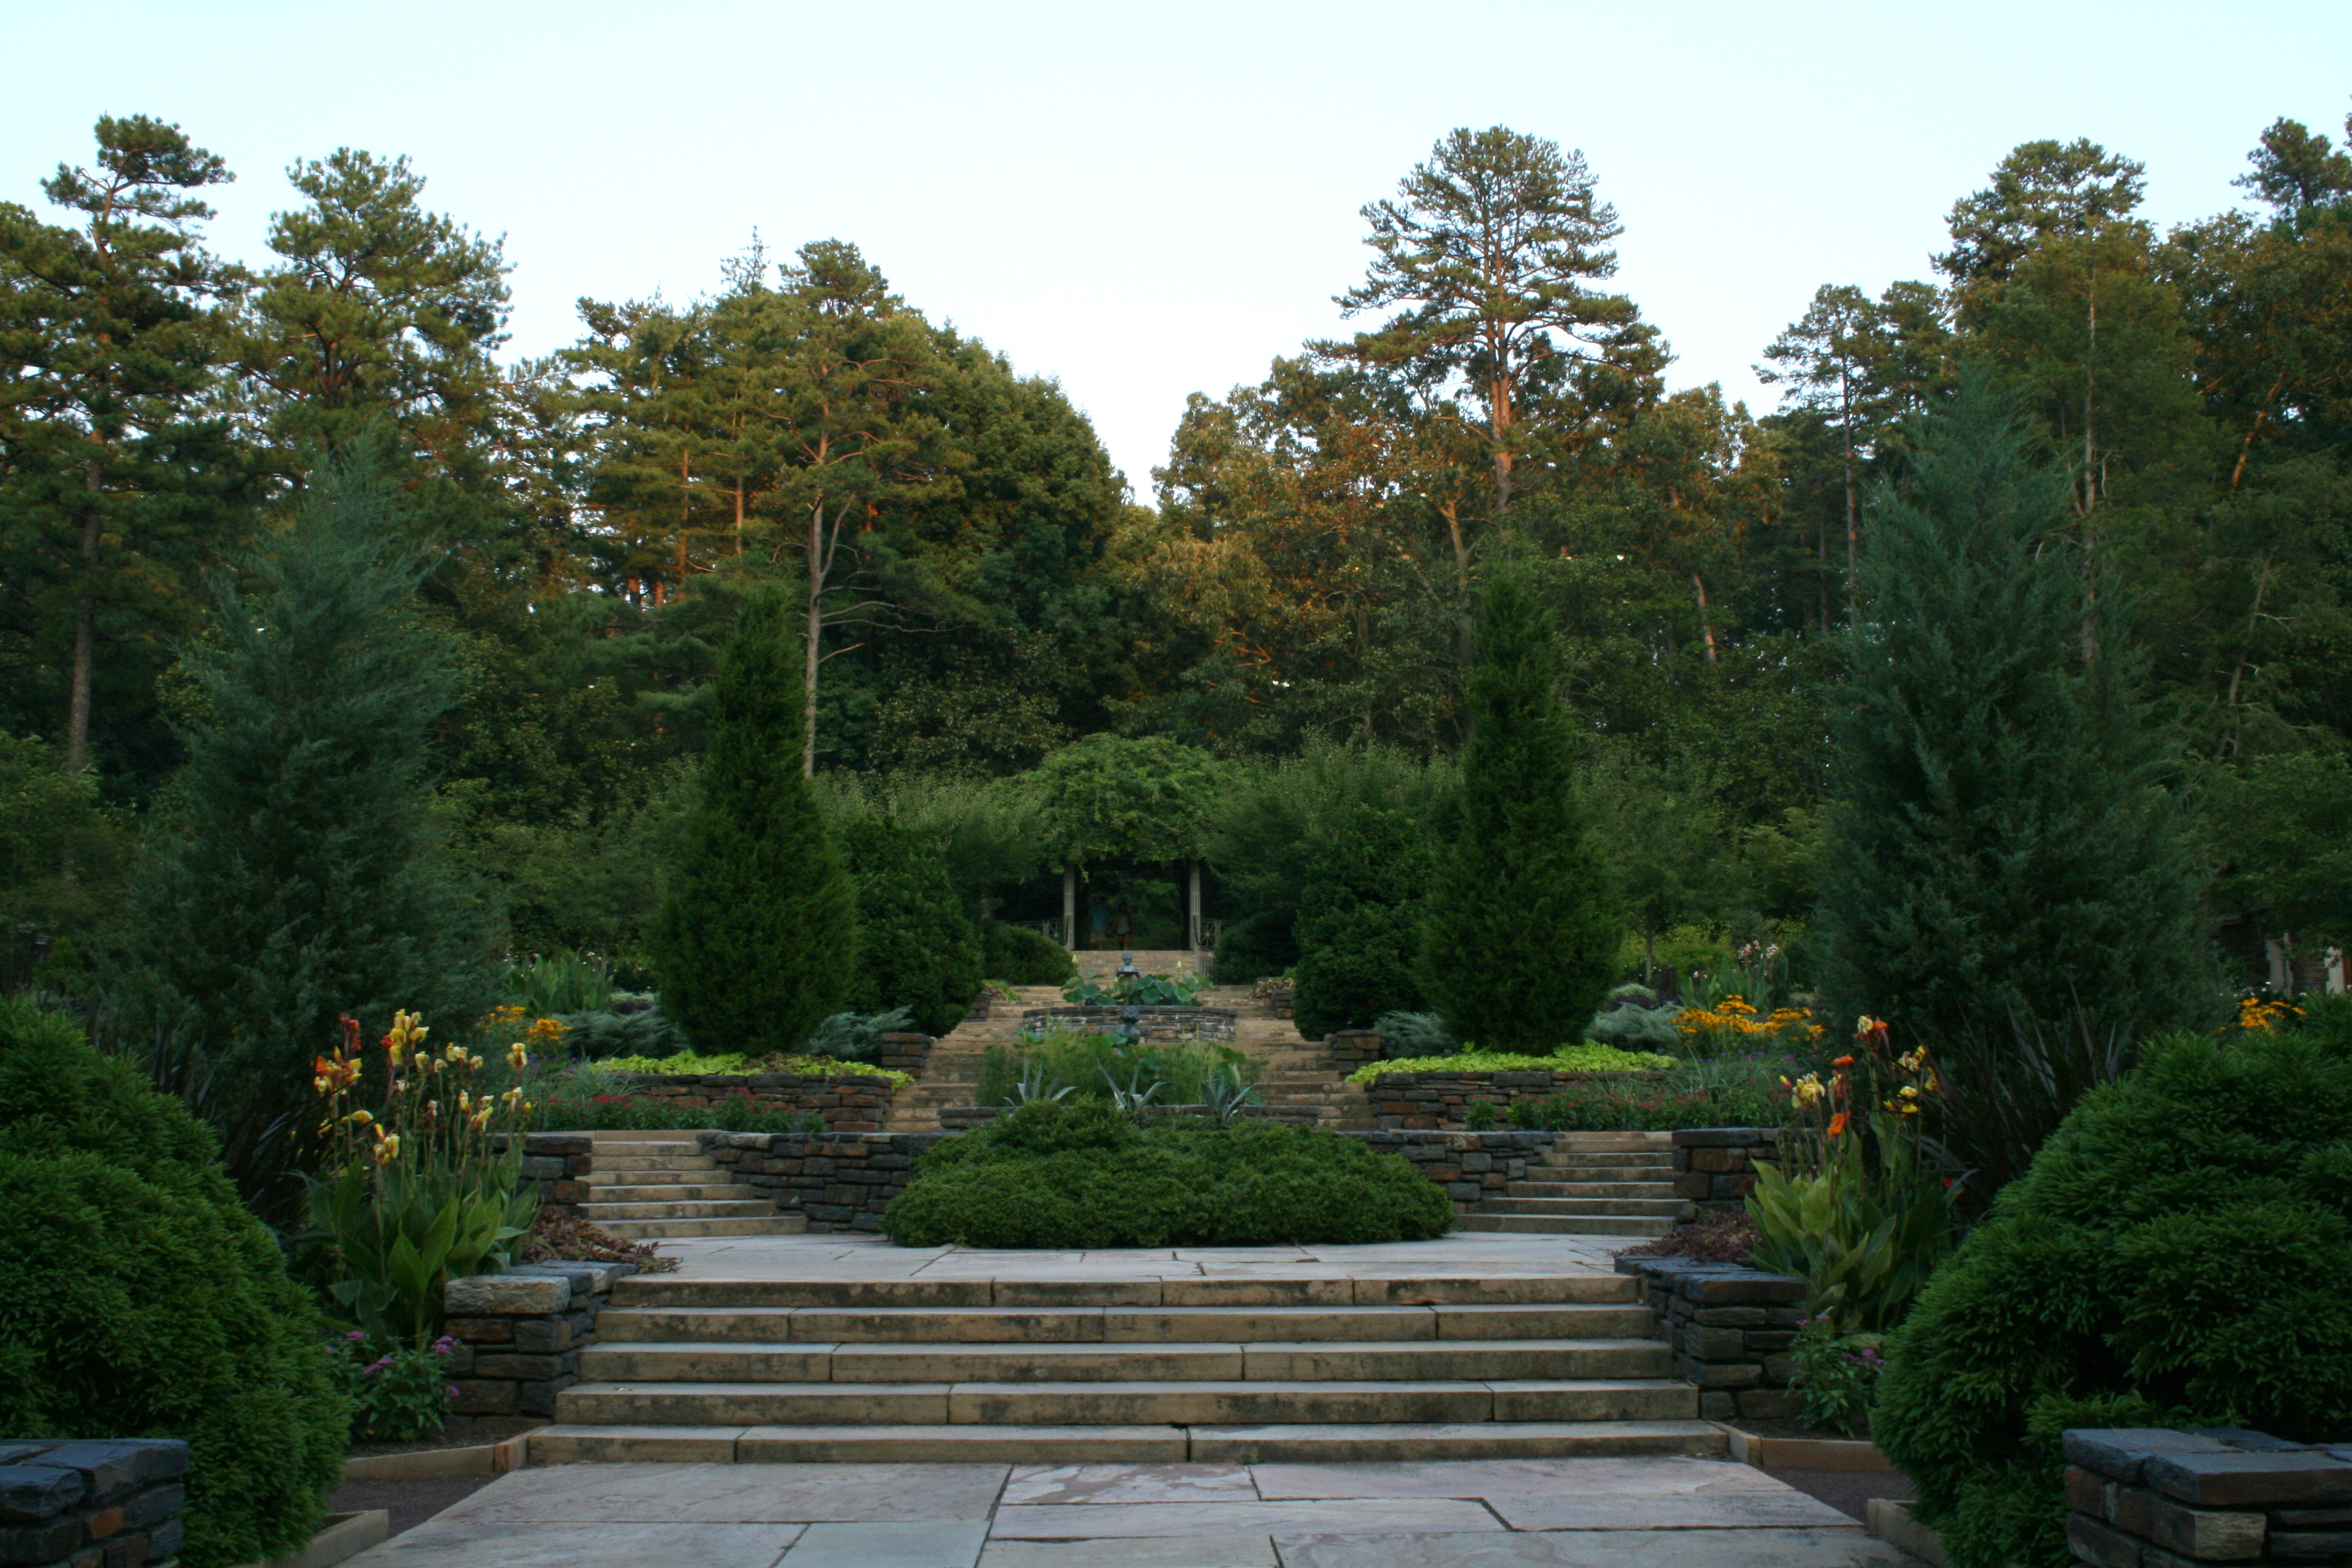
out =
column 416, row 1122
column 2254, row 1013
column 1735, row 1015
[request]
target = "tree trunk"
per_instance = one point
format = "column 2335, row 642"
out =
column 1195, row 867
column 84, row 650
column 1698, row 587
column 1852, row 521
column 811, row 655
column 1070, row 905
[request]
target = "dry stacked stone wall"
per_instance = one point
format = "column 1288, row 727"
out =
column 849, row 1102
column 1437, row 1101
column 1730, row 1329
column 1715, row 1167
column 1351, row 1048
column 558, row 1164
column 92, row 1504
column 520, row 1335
column 1471, row 1166
column 2139, row 1497
column 835, row 1181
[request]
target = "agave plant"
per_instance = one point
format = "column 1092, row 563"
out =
column 1133, row 1096
column 1034, row 1085
column 1226, row 1096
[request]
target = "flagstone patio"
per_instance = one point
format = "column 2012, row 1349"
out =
column 1524, row 1514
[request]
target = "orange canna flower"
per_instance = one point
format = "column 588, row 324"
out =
column 1843, row 1062
column 1837, row 1125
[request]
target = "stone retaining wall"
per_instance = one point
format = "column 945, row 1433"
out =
column 2142, row 1498
column 558, row 1164
column 1351, row 1048
column 849, row 1102
column 92, row 1503
column 1471, row 1166
column 1169, row 1023
column 1730, row 1329
column 1715, row 1167
column 964, row 1117
column 835, row 1181
column 909, row 1053
column 1438, row 1100
column 520, row 1335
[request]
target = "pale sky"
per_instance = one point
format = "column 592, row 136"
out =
column 1145, row 200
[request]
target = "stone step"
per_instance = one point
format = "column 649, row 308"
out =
column 1348, row 1362
column 672, row 1192
column 1668, row 1207
column 772, row 1224
column 568, row 1443
column 1570, row 1225
column 710, row 1208
column 644, row 1291
column 1121, row 1325
column 1608, row 1158
column 1591, row 1189
column 638, row 1164
column 1124, row 1404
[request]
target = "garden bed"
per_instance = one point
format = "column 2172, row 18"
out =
column 1439, row 1101
column 849, row 1102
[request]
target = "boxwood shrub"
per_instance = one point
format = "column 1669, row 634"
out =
column 137, row 1298
column 2179, row 1254
column 1051, row 1174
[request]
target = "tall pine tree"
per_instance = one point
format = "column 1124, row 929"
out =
column 758, row 941
column 297, row 870
column 2003, row 834
column 1520, row 943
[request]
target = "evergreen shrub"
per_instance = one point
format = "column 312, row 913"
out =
column 1019, row 955
column 1522, row 936
column 757, row 943
column 142, row 1300
column 1252, row 949
column 915, row 946
column 2179, row 1254
column 1358, row 924
column 297, row 869
column 1051, row 1174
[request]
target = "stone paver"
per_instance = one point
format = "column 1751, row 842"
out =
column 1497, row 1513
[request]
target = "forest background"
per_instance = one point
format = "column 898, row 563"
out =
column 982, row 590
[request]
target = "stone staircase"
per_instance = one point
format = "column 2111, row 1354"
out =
column 1124, row 1370
column 1592, row 1184
column 650, row 1186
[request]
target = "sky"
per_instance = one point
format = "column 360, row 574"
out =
column 1145, row 200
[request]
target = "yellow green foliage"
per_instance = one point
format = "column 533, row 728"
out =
column 728, row 1063
column 1585, row 1057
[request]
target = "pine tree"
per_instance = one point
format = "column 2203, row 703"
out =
column 758, row 942
column 1520, row 943
column 2002, row 836
column 916, row 945
column 297, row 869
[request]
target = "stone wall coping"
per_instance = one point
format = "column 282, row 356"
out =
column 1724, row 1137
column 1515, row 1077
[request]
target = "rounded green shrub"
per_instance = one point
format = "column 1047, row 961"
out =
column 137, row 1298
column 2179, row 1253
column 1252, row 949
column 1050, row 1174
column 1021, row 956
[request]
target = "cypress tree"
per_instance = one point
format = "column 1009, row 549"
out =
column 915, row 946
column 2001, row 838
column 757, row 943
column 1521, row 941
column 1359, row 925
column 297, row 870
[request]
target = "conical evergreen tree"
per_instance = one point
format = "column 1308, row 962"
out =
column 1521, row 941
column 297, row 871
column 916, row 945
column 758, row 942
column 2002, row 836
